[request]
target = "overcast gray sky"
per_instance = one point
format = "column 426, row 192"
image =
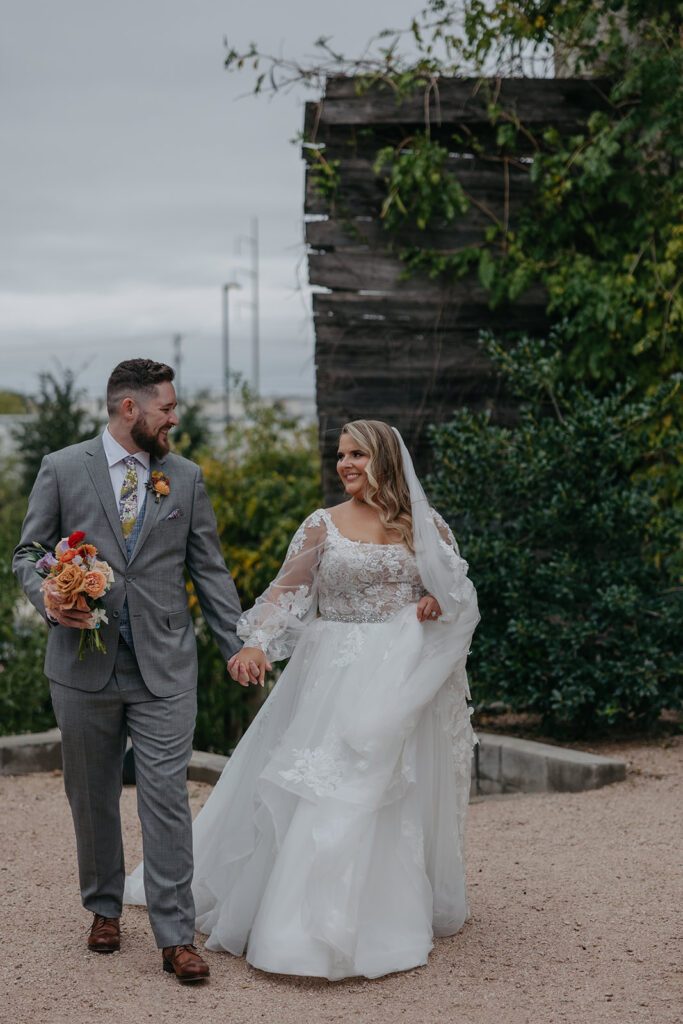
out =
column 129, row 169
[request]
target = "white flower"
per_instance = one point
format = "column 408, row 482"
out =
column 106, row 571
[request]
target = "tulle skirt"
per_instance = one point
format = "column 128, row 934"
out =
column 332, row 844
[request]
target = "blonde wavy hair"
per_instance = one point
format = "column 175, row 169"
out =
column 386, row 489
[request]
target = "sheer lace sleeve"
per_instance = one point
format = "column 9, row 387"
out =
column 280, row 614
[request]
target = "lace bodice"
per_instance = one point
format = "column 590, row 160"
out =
column 341, row 579
column 364, row 582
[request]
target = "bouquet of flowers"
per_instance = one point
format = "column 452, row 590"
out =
column 74, row 577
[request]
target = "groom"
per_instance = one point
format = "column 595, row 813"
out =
column 146, row 682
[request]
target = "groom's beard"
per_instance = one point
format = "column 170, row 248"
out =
column 147, row 441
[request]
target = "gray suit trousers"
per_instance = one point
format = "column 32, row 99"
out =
column 94, row 727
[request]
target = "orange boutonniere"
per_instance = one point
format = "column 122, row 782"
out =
column 159, row 485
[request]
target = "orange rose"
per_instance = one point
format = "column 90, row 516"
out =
column 68, row 555
column 161, row 487
column 70, row 581
column 87, row 549
column 54, row 601
column 95, row 583
column 52, row 598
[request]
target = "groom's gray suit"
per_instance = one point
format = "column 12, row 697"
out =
column 147, row 688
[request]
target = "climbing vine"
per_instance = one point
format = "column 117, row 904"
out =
column 603, row 232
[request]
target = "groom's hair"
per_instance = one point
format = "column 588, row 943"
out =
column 133, row 376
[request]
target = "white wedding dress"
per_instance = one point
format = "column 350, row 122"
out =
column 332, row 844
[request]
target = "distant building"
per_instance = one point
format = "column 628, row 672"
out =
column 301, row 406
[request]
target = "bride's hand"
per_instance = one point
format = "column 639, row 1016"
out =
column 249, row 666
column 428, row 609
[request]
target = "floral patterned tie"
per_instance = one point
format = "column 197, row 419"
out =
column 128, row 499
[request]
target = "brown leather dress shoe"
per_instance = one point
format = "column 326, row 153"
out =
column 105, row 934
column 185, row 962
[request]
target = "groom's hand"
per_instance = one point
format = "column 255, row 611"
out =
column 72, row 617
column 249, row 666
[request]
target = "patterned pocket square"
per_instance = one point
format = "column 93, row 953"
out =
column 175, row 514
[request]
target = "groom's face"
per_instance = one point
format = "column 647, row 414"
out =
column 155, row 418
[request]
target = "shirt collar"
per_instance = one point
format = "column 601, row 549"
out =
column 115, row 452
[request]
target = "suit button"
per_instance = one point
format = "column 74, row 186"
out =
column 115, row 615
column 129, row 579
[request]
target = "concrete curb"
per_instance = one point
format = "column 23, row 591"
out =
column 205, row 767
column 505, row 764
column 32, row 752
column 501, row 764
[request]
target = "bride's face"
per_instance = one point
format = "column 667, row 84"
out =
column 351, row 463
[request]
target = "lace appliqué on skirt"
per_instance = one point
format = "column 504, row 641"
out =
column 319, row 769
column 351, row 648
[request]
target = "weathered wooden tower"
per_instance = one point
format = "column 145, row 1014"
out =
column 405, row 348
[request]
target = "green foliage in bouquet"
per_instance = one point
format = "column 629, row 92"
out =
column 262, row 487
column 575, row 560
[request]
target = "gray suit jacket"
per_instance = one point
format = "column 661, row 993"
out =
column 73, row 492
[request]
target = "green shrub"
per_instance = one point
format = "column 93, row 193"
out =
column 261, row 489
column 12, row 403
column 192, row 436
column 25, row 704
column 60, row 421
column 24, row 691
column 570, row 547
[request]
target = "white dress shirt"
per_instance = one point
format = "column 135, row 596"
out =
column 115, row 454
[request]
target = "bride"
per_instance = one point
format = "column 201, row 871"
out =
column 332, row 844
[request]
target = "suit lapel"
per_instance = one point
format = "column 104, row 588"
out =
column 96, row 465
column 152, row 509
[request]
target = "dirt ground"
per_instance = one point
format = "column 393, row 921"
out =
column 576, row 917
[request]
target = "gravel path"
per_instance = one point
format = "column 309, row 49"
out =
column 574, row 903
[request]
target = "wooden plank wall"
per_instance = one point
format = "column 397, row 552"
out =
column 406, row 350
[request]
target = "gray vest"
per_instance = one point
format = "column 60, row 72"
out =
column 131, row 540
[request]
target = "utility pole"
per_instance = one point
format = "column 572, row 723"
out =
column 255, row 340
column 177, row 361
column 252, row 240
column 226, row 349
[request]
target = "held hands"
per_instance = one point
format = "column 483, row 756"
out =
column 249, row 666
column 428, row 609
